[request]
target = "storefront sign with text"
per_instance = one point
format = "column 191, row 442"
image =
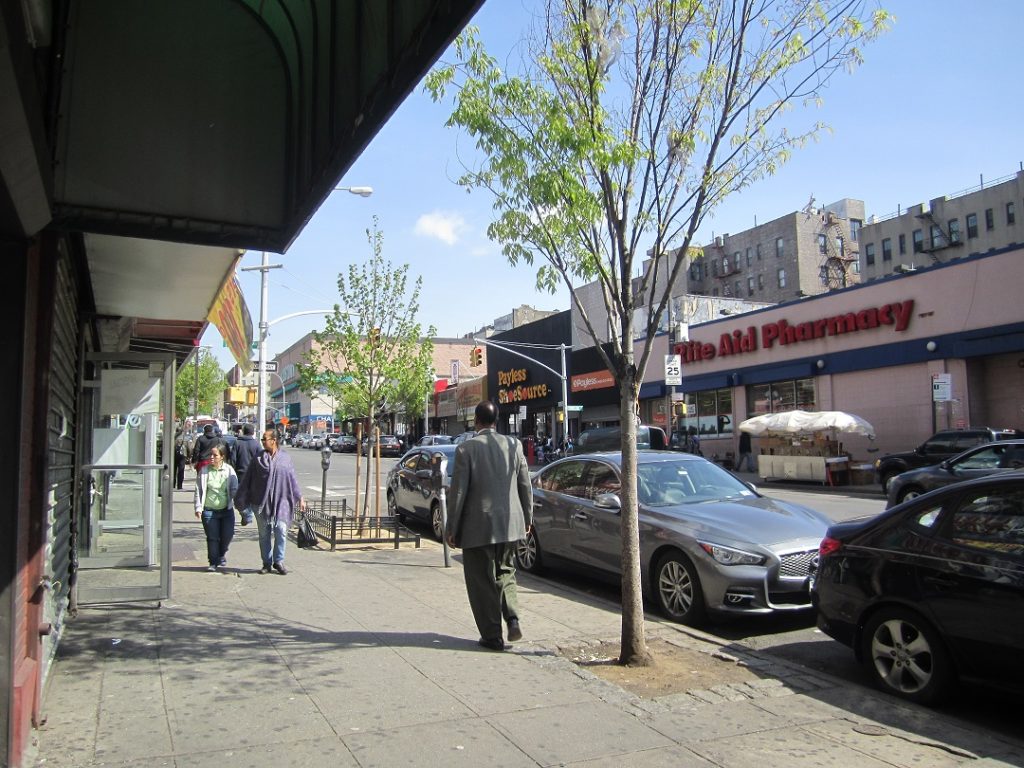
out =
column 781, row 333
column 512, row 387
column 584, row 382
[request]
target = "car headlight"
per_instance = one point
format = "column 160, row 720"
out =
column 730, row 556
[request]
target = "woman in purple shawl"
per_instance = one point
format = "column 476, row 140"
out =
column 271, row 490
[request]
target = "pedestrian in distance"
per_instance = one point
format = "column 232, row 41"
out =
column 246, row 449
column 180, row 460
column 745, row 456
column 271, row 489
column 203, row 449
column 216, row 486
column 491, row 509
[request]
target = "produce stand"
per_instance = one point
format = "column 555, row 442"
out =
column 803, row 445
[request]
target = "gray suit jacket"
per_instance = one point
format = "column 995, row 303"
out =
column 491, row 495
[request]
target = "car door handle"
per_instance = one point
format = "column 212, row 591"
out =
column 580, row 516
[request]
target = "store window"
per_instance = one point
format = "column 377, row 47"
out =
column 708, row 414
column 781, row 396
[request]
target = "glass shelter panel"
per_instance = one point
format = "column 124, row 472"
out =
column 126, row 504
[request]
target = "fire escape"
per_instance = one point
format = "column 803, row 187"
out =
column 940, row 238
column 722, row 272
column 837, row 256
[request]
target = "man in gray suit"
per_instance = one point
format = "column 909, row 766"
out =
column 491, row 509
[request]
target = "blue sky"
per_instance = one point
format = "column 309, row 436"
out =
column 935, row 106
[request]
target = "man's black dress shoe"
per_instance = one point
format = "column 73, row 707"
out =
column 514, row 632
column 494, row 643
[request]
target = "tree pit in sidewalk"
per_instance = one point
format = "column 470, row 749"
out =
column 674, row 669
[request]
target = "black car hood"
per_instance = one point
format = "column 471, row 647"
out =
column 756, row 519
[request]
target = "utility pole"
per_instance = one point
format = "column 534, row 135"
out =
column 261, row 387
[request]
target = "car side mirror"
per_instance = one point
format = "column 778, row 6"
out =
column 424, row 474
column 608, row 501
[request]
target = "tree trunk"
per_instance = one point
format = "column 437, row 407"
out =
column 633, row 645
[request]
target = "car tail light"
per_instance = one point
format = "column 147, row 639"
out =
column 828, row 546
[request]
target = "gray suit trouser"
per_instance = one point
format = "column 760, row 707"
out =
column 490, row 575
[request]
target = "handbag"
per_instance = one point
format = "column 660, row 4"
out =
column 305, row 536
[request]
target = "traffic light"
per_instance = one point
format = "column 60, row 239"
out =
column 475, row 357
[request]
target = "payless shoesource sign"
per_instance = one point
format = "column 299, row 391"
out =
column 514, row 387
column 782, row 333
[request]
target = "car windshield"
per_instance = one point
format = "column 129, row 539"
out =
column 664, row 483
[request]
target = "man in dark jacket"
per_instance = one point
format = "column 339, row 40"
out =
column 204, row 447
column 246, row 450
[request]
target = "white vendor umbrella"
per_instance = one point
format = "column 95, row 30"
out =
column 797, row 422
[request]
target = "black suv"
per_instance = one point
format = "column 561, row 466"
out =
column 939, row 447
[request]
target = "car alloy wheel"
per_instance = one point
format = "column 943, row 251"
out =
column 905, row 656
column 393, row 509
column 907, row 494
column 436, row 523
column 678, row 589
column 528, row 553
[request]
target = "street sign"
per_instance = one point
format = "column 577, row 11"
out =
column 455, row 372
column 673, row 370
column 942, row 387
column 270, row 366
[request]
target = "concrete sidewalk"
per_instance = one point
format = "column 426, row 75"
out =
column 369, row 658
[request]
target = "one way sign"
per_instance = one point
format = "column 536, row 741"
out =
column 270, row 366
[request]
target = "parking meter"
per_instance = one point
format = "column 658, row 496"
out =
column 439, row 483
column 325, row 464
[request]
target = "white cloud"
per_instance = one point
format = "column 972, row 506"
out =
column 444, row 226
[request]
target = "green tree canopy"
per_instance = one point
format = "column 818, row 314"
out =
column 371, row 353
column 630, row 123
column 212, row 381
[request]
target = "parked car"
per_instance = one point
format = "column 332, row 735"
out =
column 708, row 541
column 344, row 444
column 316, row 441
column 939, row 447
column 299, row 440
column 610, row 439
column 389, row 446
column 411, row 490
column 932, row 590
column 434, row 440
column 980, row 461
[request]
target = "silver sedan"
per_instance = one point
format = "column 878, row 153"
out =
column 708, row 541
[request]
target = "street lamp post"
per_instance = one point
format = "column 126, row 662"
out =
column 265, row 267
